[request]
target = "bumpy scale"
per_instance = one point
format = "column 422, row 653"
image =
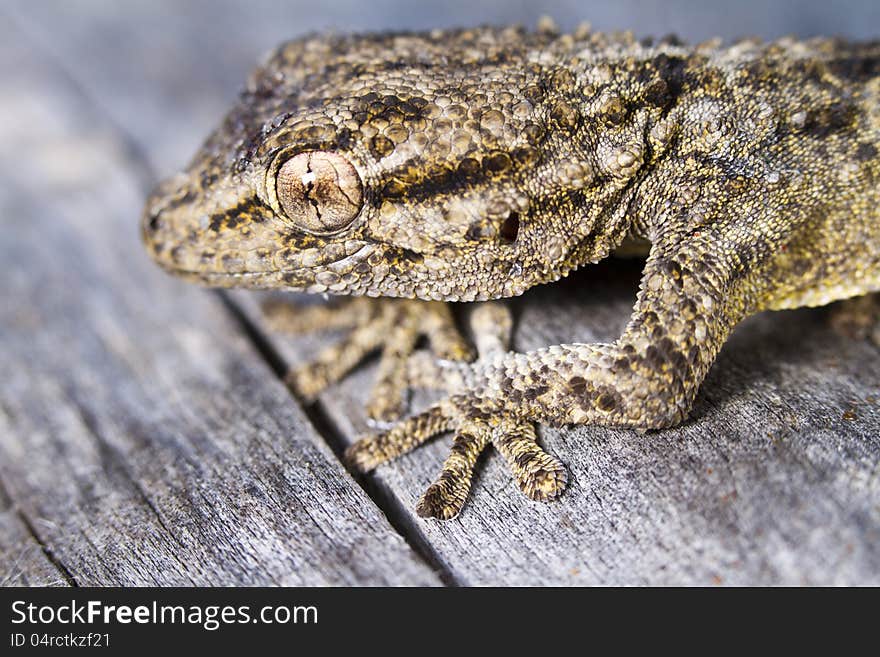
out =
column 474, row 164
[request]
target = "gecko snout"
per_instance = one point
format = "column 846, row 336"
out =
column 161, row 226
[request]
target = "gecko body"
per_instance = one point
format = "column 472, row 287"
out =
column 474, row 164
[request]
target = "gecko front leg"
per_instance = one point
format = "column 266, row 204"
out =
column 691, row 296
column 392, row 326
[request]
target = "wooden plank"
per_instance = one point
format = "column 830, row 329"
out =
column 775, row 480
column 22, row 559
column 141, row 434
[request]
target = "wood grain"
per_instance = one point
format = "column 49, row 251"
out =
column 774, row 480
column 142, row 435
column 22, row 559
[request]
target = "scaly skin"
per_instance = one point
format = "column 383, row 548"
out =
column 475, row 164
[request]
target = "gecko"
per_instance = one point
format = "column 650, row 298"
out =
column 411, row 170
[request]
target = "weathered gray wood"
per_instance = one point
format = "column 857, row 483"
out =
column 22, row 560
column 142, row 436
column 775, row 480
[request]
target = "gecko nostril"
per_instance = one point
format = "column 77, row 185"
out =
column 154, row 222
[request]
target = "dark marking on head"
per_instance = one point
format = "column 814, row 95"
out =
column 392, row 108
column 496, row 163
column 424, row 184
column 608, row 399
column 565, row 115
column 208, row 178
column 614, row 112
column 251, row 210
column 381, row 146
column 671, row 70
column 834, row 118
column 409, row 254
column 812, row 70
column 857, row 68
column 657, row 94
column 179, row 201
column 578, row 385
column 533, row 392
column 866, row 152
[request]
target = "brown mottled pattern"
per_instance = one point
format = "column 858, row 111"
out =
column 475, row 164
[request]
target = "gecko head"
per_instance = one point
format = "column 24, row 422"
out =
column 404, row 165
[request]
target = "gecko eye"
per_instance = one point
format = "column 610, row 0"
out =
column 319, row 192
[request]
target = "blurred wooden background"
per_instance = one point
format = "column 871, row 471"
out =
column 145, row 436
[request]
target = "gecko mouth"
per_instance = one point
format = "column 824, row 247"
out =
column 330, row 268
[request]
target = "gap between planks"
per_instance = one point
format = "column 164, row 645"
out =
column 51, row 557
column 316, row 413
column 321, row 419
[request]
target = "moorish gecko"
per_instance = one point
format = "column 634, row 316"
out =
column 474, row 164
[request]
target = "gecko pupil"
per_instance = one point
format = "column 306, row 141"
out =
column 319, row 192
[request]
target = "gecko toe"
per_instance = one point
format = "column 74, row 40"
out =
column 546, row 481
column 437, row 502
column 389, row 327
column 540, row 476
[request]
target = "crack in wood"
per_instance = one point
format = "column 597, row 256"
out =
column 381, row 496
column 130, row 155
column 54, row 559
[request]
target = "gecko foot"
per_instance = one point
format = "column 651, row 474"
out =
column 540, row 476
column 392, row 326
